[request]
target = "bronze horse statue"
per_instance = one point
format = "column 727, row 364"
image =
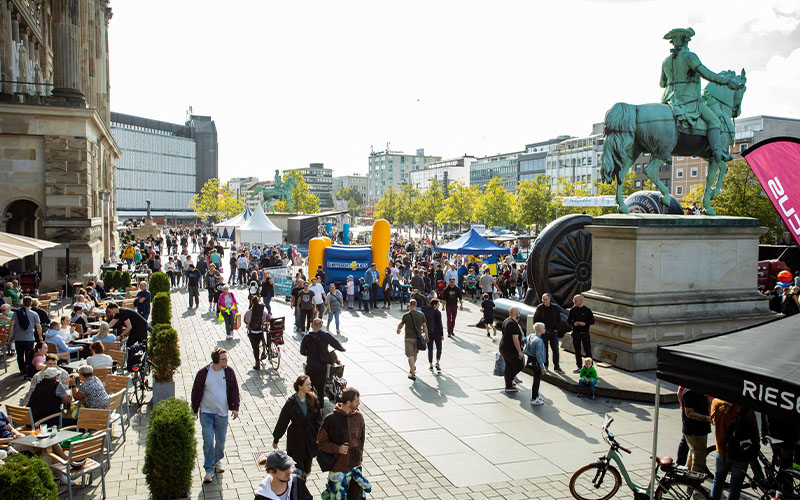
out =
column 651, row 128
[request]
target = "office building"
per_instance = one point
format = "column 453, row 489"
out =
column 445, row 172
column 504, row 166
column 391, row 169
column 242, row 188
column 355, row 181
column 576, row 160
column 533, row 162
column 320, row 182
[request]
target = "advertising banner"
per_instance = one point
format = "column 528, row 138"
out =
column 776, row 163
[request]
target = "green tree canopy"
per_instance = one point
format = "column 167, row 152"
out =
column 406, row 208
column 460, row 205
column 495, row 205
column 214, row 203
column 430, row 204
column 353, row 198
column 304, row 201
column 387, row 207
column 534, row 203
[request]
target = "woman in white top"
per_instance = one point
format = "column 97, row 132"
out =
column 67, row 331
column 98, row 359
column 102, row 334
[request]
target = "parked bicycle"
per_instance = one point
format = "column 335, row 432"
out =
column 139, row 366
column 601, row 480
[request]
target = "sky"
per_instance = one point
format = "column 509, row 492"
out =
column 299, row 82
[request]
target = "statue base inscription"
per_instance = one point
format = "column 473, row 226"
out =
column 148, row 228
column 663, row 279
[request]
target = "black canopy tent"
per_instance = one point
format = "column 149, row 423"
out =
column 757, row 367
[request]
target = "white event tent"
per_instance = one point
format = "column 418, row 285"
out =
column 259, row 230
column 228, row 227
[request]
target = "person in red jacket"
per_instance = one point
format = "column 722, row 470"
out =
column 214, row 393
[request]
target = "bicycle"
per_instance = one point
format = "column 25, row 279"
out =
column 271, row 349
column 590, row 481
column 140, row 372
column 766, row 477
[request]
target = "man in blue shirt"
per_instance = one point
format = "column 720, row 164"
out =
column 62, row 349
column 142, row 301
column 372, row 280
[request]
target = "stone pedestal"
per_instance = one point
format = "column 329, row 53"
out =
column 662, row 279
column 149, row 228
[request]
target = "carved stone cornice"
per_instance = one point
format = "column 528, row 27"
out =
column 31, row 12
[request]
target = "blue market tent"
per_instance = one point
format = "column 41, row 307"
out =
column 472, row 243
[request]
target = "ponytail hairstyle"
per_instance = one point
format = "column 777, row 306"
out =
column 311, row 397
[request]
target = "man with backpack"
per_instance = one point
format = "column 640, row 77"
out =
column 737, row 438
column 315, row 348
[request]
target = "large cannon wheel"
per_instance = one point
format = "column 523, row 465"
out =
column 560, row 262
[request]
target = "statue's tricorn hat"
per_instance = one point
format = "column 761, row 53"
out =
column 686, row 33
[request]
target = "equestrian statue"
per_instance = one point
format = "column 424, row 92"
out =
column 686, row 123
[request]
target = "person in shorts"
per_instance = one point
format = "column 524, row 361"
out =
column 487, row 307
column 415, row 326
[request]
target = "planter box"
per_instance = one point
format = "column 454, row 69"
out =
column 162, row 391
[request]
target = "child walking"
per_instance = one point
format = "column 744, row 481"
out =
column 588, row 374
column 351, row 291
column 487, row 307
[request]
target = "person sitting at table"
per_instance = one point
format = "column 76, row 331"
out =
column 67, row 331
column 38, row 360
column 102, row 333
column 51, row 361
column 130, row 325
column 47, row 398
column 91, row 296
column 80, row 300
column 79, row 318
column 62, row 349
column 98, row 359
column 44, row 316
column 100, row 289
column 7, row 434
column 88, row 389
column 11, row 293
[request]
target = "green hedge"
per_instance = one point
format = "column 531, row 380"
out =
column 162, row 348
column 126, row 280
column 108, row 280
column 23, row 478
column 171, row 451
column 159, row 282
column 162, row 309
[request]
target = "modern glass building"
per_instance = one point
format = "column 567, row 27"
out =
column 158, row 163
column 504, row 166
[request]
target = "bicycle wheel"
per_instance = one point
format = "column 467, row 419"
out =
column 590, row 482
column 138, row 394
column 679, row 489
column 274, row 355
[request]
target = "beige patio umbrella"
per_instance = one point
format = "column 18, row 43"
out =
column 14, row 246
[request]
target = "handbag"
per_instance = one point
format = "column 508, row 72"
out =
column 499, row 365
column 237, row 322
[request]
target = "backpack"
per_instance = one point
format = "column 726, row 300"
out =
column 254, row 287
column 741, row 440
column 256, row 318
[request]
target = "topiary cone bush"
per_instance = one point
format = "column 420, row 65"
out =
column 117, row 279
column 126, row 280
column 23, row 478
column 171, row 450
column 163, row 351
column 159, row 282
column 108, row 280
column 162, row 309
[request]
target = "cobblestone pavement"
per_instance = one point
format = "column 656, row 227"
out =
column 396, row 469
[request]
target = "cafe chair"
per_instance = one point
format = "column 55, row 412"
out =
column 21, row 417
column 119, row 383
column 101, row 373
column 80, row 461
column 118, row 357
column 115, row 402
column 92, row 419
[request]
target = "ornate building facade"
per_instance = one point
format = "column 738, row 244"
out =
column 57, row 155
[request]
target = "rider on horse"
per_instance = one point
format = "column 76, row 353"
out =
column 680, row 79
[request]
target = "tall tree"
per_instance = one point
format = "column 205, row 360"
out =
column 407, row 203
column 460, row 205
column 353, row 198
column 534, row 203
column 388, row 206
column 496, row 205
column 213, row 203
column 743, row 196
column 428, row 206
column 566, row 188
column 304, row 201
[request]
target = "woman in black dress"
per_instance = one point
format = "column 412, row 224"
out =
column 301, row 415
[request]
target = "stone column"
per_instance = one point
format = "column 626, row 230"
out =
column 66, row 53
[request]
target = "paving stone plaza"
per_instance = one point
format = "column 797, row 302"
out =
column 454, row 435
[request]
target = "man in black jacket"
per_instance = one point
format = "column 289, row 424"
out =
column 312, row 348
column 549, row 314
column 580, row 318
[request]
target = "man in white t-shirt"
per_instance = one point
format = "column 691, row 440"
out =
column 319, row 296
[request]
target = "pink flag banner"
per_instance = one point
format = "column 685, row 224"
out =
column 776, row 163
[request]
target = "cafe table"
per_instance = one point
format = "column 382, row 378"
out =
column 43, row 444
column 74, row 365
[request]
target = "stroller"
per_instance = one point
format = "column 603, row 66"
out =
column 334, row 380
